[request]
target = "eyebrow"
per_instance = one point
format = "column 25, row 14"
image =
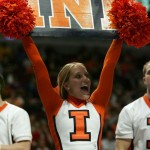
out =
column 86, row 73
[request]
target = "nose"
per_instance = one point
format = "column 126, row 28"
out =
column 86, row 78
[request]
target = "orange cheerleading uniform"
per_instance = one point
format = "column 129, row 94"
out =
column 74, row 124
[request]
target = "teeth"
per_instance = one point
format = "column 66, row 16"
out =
column 84, row 85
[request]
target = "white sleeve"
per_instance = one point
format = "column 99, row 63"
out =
column 124, row 128
column 21, row 127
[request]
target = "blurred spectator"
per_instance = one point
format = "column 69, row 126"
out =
column 108, row 143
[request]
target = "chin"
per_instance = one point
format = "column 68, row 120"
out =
column 86, row 97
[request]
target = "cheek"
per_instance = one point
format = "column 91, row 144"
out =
column 147, row 80
column 74, row 83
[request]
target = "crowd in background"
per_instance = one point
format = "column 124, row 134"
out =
column 21, row 89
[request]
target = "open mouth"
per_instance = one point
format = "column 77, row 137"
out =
column 85, row 88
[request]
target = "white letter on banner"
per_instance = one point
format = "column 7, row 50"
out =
column 35, row 5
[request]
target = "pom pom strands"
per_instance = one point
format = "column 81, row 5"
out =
column 16, row 18
column 131, row 20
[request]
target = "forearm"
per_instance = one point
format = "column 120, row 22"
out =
column 107, row 74
column 122, row 144
column 44, row 86
column 40, row 70
column 34, row 55
column 113, row 52
column 104, row 88
column 24, row 145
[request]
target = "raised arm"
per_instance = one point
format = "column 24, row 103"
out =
column 104, row 89
column 49, row 97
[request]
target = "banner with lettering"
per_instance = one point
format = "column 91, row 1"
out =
column 72, row 18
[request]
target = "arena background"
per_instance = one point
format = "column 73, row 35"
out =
column 21, row 87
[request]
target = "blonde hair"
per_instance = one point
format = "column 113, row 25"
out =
column 145, row 67
column 63, row 77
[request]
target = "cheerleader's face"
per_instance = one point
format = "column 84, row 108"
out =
column 79, row 83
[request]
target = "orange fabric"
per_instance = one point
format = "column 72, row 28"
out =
column 147, row 101
column 50, row 97
column 79, row 116
column 3, row 107
column 76, row 102
column 103, row 91
column 100, row 97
